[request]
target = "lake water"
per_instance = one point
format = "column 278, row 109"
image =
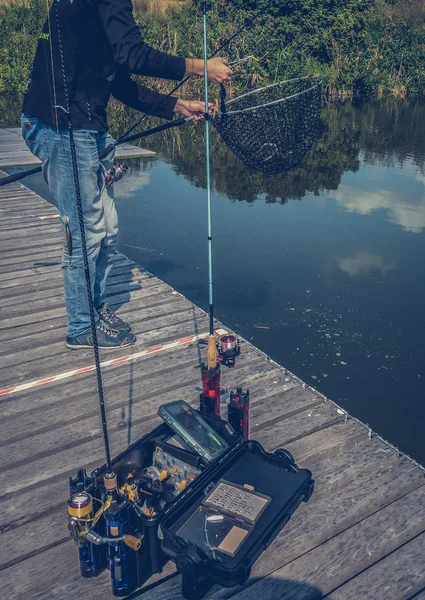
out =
column 322, row 268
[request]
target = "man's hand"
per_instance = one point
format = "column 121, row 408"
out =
column 192, row 108
column 218, row 69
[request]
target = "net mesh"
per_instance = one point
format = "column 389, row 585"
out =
column 272, row 128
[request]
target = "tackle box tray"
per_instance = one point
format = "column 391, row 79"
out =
column 218, row 528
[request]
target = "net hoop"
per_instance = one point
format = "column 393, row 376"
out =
column 275, row 102
column 274, row 135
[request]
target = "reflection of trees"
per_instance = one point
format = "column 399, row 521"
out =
column 392, row 131
column 385, row 131
column 336, row 151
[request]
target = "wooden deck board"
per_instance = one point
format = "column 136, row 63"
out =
column 335, row 561
column 14, row 153
column 361, row 535
column 397, row 576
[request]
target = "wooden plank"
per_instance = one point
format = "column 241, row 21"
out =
column 53, row 285
column 31, row 233
column 46, row 227
column 398, row 576
column 8, row 278
column 147, row 288
column 46, row 342
column 26, row 161
column 57, row 318
column 25, row 205
column 19, row 261
column 66, row 360
column 34, row 277
column 36, row 287
column 16, row 203
column 53, row 340
column 321, row 444
column 29, row 245
column 56, row 291
column 338, row 560
column 22, row 217
column 316, row 418
column 130, row 311
column 49, row 260
column 119, row 266
column 30, row 413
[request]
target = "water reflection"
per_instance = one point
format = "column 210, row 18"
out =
column 385, row 133
column 401, row 195
column 363, row 263
column 332, row 287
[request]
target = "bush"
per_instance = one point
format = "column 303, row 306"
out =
column 361, row 47
column 20, row 27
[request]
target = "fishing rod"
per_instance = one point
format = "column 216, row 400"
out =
column 80, row 214
column 212, row 351
column 126, row 137
column 211, row 371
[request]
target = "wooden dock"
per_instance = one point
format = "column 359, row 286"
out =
column 14, row 153
column 362, row 535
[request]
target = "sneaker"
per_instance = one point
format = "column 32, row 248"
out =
column 111, row 320
column 106, row 338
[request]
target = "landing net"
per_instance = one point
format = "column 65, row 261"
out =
column 272, row 128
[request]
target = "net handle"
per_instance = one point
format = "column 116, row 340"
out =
column 267, row 104
column 272, row 85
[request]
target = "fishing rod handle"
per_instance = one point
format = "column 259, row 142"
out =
column 20, row 175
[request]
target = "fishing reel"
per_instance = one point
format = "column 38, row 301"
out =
column 115, row 173
column 80, row 511
column 228, row 349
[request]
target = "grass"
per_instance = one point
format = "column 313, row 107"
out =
column 158, row 6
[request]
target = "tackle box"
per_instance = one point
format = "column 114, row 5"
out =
column 220, row 526
column 215, row 528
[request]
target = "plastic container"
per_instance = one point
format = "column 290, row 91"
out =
column 217, row 530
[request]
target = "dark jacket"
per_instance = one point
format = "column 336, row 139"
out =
column 101, row 45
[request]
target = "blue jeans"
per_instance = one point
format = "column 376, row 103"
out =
column 52, row 147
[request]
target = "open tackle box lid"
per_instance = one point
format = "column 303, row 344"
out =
column 221, row 525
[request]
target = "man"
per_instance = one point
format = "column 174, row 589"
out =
column 87, row 51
